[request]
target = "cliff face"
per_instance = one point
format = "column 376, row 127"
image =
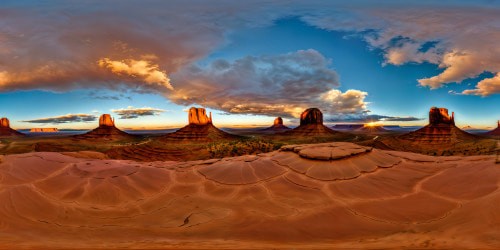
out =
column 106, row 120
column 44, row 130
column 311, row 124
column 200, row 128
column 198, row 116
column 6, row 131
column 440, row 130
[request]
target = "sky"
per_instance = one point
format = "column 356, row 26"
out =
column 64, row 63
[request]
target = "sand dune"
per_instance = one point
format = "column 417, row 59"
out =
column 303, row 196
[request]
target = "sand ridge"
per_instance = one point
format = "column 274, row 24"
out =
column 302, row 196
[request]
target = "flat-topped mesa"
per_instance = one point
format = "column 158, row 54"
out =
column 440, row 116
column 311, row 116
column 440, row 130
column 198, row 116
column 311, row 124
column 106, row 120
column 5, row 130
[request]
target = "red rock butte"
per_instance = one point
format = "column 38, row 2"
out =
column 495, row 132
column 6, row 131
column 311, row 124
column 106, row 130
column 277, row 126
column 440, row 130
column 200, row 128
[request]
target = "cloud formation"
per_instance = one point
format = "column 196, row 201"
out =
column 485, row 87
column 132, row 113
column 69, row 118
column 284, row 85
column 364, row 118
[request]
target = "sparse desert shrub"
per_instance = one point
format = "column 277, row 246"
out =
column 241, row 147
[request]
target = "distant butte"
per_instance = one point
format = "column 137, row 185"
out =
column 106, row 130
column 311, row 124
column 440, row 130
column 277, row 126
column 200, row 128
column 6, row 131
column 495, row 132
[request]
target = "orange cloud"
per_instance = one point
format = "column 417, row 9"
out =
column 485, row 87
column 142, row 69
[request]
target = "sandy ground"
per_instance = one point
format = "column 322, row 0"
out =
column 306, row 196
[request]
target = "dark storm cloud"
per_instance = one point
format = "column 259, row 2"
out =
column 69, row 118
column 132, row 113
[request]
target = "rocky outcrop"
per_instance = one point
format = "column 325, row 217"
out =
column 106, row 131
column 495, row 132
column 106, row 121
column 44, row 130
column 6, row 131
column 198, row 116
column 277, row 126
column 440, row 130
column 311, row 124
column 200, row 128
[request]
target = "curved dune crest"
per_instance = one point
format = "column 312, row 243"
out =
column 339, row 193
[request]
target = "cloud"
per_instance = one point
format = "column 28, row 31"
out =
column 485, row 87
column 284, row 84
column 132, row 113
column 144, row 70
column 364, row 118
column 69, row 118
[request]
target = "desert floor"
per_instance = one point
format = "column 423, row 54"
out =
column 305, row 196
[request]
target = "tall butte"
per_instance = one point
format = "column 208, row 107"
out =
column 495, row 132
column 200, row 128
column 106, row 130
column 6, row 131
column 311, row 124
column 440, row 130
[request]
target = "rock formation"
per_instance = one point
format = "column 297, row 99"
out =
column 106, row 130
column 6, row 131
column 311, row 124
column 277, row 126
column 440, row 130
column 200, row 128
column 44, row 130
column 495, row 132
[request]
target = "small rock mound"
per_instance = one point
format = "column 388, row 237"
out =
column 200, row 128
column 311, row 124
column 333, row 161
column 105, row 131
column 440, row 130
column 6, row 131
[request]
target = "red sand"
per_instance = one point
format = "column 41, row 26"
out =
column 305, row 196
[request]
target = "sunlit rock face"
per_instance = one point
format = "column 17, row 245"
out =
column 198, row 116
column 278, row 121
column 106, row 120
column 4, row 123
column 440, row 116
column 200, row 128
column 311, row 124
column 44, row 130
column 311, row 116
column 5, row 130
column 105, row 131
column 277, row 126
column 440, row 130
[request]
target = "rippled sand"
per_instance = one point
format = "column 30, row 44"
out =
column 303, row 196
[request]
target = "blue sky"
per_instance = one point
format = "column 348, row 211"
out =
column 354, row 60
